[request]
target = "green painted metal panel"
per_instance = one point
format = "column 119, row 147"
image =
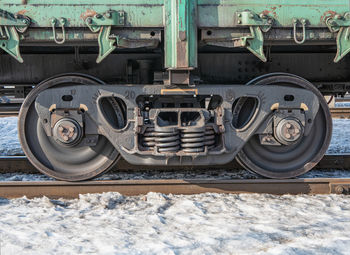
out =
column 181, row 34
column 179, row 18
column 139, row 13
column 211, row 13
column 219, row 13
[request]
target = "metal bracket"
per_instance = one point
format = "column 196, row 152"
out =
column 254, row 42
column 340, row 24
column 303, row 24
column 109, row 18
column 108, row 42
column 61, row 22
column 103, row 23
column 10, row 26
column 257, row 25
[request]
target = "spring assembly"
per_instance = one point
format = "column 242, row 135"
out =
column 209, row 137
column 189, row 140
column 164, row 140
column 193, row 141
column 147, row 140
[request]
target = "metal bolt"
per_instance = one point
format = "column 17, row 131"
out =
column 239, row 15
column 288, row 125
column 71, row 129
column 60, row 128
column 239, row 21
column 287, row 136
column 297, row 130
column 65, row 138
column 339, row 189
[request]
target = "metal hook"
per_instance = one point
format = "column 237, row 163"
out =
column 303, row 23
column 62, row 22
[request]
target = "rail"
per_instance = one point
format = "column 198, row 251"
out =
column 57, row 189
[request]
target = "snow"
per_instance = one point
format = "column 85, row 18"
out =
column 340, row 137
column 110, row 223
column 9, row 143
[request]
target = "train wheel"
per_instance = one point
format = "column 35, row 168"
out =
column 73, row 163
column 287, row 161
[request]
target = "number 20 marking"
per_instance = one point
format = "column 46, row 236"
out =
column 129, row 94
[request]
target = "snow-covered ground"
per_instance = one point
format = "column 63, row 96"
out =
column 110, row 223
column 9, row 143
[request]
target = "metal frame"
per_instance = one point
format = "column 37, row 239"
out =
column 125, row 140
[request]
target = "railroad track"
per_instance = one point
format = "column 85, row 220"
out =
column 60, row 189
column 340, row 113
column 57, row 189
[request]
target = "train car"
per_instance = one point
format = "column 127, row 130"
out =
column 173, row 82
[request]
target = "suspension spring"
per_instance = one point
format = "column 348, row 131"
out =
column 195, row 140
column 190, row 140
column 147, row 139
column 165, row 140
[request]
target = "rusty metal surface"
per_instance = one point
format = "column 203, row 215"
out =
column 55, row 189
column 13, row 164
column 340, row 113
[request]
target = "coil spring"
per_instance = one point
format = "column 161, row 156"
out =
column 163, row 140
column 147, row 140
column 196, row 141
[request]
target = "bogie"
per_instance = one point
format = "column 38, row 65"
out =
column 185, row 82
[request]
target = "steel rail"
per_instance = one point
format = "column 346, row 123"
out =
column 340, row 113
column 11, row 164
column 57, row 189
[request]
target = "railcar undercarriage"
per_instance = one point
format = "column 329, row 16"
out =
column 173, row 83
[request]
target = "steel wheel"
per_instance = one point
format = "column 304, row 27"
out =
column 53, row 159
column 289, row 161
